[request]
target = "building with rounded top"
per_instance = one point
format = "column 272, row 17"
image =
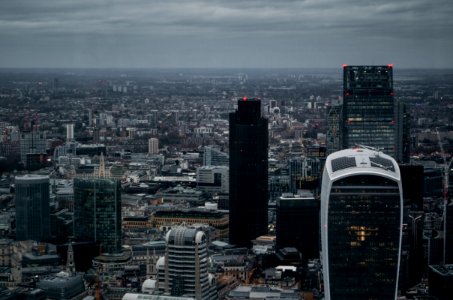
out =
column 186, row 265
column 361, row 219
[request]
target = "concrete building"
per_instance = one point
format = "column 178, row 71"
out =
column 186, row 265
column 213, row 179
column 69, row 132
column 153, row 146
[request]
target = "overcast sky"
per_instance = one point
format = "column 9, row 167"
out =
column 229, row 33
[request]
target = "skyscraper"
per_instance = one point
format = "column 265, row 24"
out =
column 370, row 113
column 248, row 172
column 97, row 212
column 186, row 265
column 361, row 218
column 32, row 207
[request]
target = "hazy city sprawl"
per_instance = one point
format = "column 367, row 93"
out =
column 226, row 184
column 226, row 150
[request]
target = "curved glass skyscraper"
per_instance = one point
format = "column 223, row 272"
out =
column 361, row 217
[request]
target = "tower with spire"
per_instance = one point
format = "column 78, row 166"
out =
column 70, row 265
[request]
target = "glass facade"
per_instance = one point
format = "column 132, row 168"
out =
column 97, row 212
column 32, row 207
column 369, row 116
column 364, row 228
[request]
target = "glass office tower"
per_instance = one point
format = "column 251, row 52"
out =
column 369, row 111
column 248, row 173
column 361, row 217
column 32, row 207
column 97, row 212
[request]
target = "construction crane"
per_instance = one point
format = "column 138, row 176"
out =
column 445, row 170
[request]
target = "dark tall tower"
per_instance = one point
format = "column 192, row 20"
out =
column 369, row 110
column 248, row 172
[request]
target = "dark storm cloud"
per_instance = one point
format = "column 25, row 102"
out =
column 220, row 33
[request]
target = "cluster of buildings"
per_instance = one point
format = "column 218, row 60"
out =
column 184, row 204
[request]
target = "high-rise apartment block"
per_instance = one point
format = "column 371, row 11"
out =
column 32, row 207
column 69, row 132
column 361, row 225
column 153, row 146
column 248, row 173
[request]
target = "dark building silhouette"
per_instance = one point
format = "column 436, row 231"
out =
column 298, row 223
column 248, row 173
column 413, row 185
column 440, row 278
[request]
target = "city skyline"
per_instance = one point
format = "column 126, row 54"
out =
column 222, row 33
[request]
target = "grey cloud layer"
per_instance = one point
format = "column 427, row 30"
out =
column 219, row 23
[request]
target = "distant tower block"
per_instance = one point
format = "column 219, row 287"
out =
column 69, row 132
column 153, row 146
column 97, row 212
column 32, row 207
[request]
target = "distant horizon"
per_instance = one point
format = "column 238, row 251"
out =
column 219, row 68
column 262, row 34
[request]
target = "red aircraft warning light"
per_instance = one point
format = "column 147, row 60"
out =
column 244, row 98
